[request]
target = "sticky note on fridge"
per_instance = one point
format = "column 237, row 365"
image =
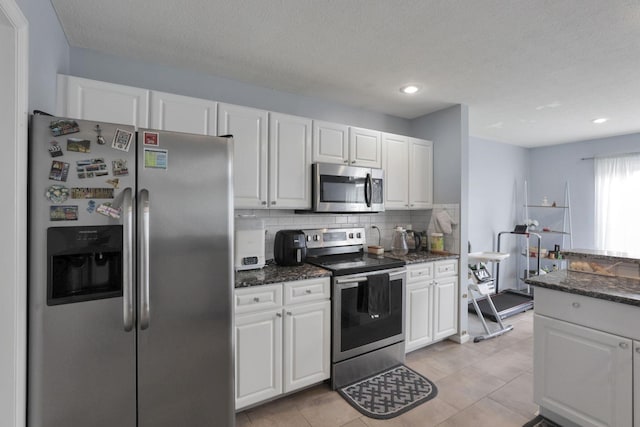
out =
column 155, row 158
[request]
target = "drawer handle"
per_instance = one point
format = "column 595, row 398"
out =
column 575, row 304
column 308, row 291
column 624, row 345
column 279, row 314
column 289, row 313
column 256, row 299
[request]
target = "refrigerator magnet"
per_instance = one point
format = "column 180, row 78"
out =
column 122, row 140
column 115, row 182
column 59, row 171
column 106, row 210
column 151, row 138
column 91, row 193
column 119, row 167
column 63, row 127
column 57, row 193
column 79, row 145
column 99, row 139
column 155, row 158
column 55, row 150
column 63, row 213
column 91, row 206
column 90, row 168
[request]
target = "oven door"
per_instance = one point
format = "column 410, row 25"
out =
column 338, row 188
column 356, row 333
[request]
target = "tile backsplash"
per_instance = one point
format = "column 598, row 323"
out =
column 275, row 220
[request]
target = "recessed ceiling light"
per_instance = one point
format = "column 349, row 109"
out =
column 600, row 120
column 409, row 89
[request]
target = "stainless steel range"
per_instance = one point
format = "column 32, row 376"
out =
column 367, row 303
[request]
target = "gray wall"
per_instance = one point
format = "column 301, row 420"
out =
column 115, row 69
column 449, row 131
column 552, row 166
column 48, row 53
column 497, row 172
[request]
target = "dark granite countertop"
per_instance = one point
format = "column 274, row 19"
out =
column 616, row 289
column 421, row 256
column 603, row 255
column 273, row 273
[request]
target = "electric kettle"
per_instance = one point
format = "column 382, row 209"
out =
column 399, row 244
column 414, row 241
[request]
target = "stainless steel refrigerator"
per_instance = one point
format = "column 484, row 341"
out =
column 130, row 276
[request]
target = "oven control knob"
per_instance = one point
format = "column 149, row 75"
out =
column 316, row 238
column 359, row 236
column 308, row 238
column 351, row 235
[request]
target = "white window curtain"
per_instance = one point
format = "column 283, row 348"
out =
column 618, row 203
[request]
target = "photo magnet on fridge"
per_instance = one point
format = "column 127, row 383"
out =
column 115, row 182
column 156, row 158
column 151, row 138
column 63, row 127
column 57, row 193
column 91, row 206
column 90, row 168
column 91, row 193
column 79, row 145
column 106, row 210
column 119, row 167
column 122, row 140
column 63, row 213
column 59, row 171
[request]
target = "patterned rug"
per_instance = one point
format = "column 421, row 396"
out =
column 389, row 393
column 540, row 421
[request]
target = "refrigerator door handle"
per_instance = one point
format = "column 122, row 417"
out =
column 143, row 214
column 127, row 258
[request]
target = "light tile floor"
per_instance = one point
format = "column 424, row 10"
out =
column 489, row 383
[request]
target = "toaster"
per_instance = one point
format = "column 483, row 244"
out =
column 290, row 247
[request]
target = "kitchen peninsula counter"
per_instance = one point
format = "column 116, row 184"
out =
column 273, row 273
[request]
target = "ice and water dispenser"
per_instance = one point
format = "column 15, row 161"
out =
column 84, row 263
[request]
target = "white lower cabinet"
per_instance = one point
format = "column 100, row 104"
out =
column 431, row 307
column 285, row 344
column 586, row 360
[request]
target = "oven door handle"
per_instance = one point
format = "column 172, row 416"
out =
column 358, row 279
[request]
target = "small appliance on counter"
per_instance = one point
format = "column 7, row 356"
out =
column 414, row 240
column 249, row 243
column 290, row 247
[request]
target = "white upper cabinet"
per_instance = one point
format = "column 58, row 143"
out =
column 289, row 162
column 334, row 143
column 396, row 176
column 249, row 129
column 86, row 99
column 420, row 174
column 183, row 114
column 330, row 142
column 408, row 166
column 365, row 148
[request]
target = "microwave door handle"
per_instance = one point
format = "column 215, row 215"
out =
column 367, row 190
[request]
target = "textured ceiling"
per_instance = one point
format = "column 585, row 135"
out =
column 532, row 72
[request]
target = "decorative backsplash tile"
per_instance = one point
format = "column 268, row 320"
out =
column 286, row 219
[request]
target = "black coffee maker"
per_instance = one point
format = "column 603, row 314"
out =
column 290, row 247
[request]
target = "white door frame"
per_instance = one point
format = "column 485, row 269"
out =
column 13, row 410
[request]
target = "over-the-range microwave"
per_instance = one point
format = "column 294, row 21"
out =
column 338, row 188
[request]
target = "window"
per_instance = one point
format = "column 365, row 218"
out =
column 618, row 203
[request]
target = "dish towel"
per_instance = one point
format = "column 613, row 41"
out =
column 374, row 297
column 444, row 222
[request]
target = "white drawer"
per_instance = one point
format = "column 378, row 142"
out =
column 446, row 268
column 608, row 316
column 419, row 272
column 307, row 290
column 258, row 298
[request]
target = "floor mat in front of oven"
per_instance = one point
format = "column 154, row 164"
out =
column 389, row 393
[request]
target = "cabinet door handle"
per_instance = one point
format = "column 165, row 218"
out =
column 264, row 203
column 353, row 161
column 346, row 161
column 637, row 349
column 279, row 314
column 575, row 304
column 624, row 345
column 273, row 203
column 289, row 313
